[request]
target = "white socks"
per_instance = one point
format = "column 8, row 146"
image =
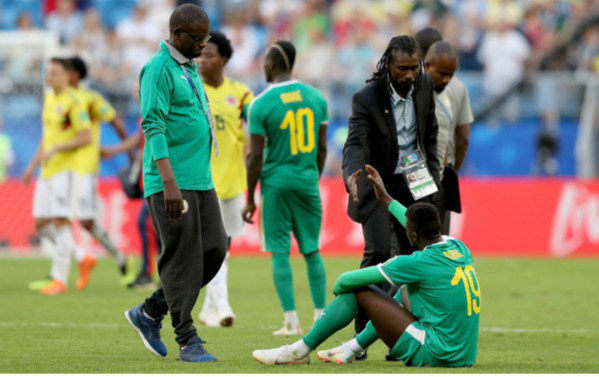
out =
column 217, row 291
column 61, row 261
column 291, row 318
column 353, row 346
column 300, row 349
column 47, row 235
column 104, row 239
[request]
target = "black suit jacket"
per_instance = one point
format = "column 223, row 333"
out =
column 372, row 138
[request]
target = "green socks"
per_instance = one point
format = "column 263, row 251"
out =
column 283, row 278
column 338, row 314
column 318, row 279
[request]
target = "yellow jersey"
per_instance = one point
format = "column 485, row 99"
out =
column 99, row 111
column 228, row 104
column 63, row 117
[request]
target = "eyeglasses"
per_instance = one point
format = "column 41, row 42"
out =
column 197, row 39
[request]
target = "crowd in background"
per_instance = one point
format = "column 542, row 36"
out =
column 338, row 41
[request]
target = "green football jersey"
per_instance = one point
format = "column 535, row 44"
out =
column 444, row 296
column 289, row 115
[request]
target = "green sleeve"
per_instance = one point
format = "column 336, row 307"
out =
column 351, row 280
column 399, row 211
column 155, row 98
column 244, row 112
column 256, row 125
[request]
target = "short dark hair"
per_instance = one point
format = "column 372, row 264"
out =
column 222, row 43
column 441, row 48
column 187, row 14
column 425, row 218
column 79, row 66
column 426, row 38
column 64, row 62
column 403, row 43
column 282, row 60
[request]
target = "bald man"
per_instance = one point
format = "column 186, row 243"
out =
column 454, row 116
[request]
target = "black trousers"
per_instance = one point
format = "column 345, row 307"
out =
column 193, row 249
column 384, row 236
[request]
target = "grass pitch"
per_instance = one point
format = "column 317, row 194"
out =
column 538, row 316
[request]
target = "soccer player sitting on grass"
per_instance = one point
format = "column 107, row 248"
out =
column 433, row 320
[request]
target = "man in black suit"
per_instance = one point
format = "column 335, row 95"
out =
column 392, row 116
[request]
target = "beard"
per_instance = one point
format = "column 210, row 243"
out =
column 403, row 86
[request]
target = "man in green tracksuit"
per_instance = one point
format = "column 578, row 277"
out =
column 178, row 184
column 434, row 318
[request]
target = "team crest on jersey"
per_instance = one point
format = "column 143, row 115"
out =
column 231, row 100
column 59, row 109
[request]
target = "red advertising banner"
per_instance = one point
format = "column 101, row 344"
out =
column 501, row 217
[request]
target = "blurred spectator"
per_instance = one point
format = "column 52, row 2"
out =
column 67, row 21
column 92, row 38
column 159, row 12
column 139, row 37
column 112, row 74
column 311, row 18
column 245, row 41
column 357, row 59
column 7, row 155
column 348, row 15
column 503, row 53
column 279, row 16
column 25, row 21
column 469, row 15
column 588, row 50
column 312, row 64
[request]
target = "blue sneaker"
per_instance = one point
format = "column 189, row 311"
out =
column 194, row 352
column 147, row 329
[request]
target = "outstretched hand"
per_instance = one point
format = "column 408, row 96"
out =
column 378, row 185
column 352, row 184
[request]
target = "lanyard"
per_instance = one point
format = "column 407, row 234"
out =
column 206, row 110
column 444, row 110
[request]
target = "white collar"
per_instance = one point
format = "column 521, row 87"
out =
column 179, row 57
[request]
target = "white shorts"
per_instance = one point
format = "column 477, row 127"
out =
column 88, row 201
column 53, row 197
column 230, row 210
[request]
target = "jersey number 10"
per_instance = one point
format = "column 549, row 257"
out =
column 301, row 130
column 468, row 276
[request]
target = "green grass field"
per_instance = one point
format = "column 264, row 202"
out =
column 538, row 316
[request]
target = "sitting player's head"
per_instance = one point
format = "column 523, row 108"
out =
column 215, row 55
column 279, row 59
column 78, row 70
column 423, row 225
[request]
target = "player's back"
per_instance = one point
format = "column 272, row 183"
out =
column 448, row 299
column 99, row 111
column 289, row 115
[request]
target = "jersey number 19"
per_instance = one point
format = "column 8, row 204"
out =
column 300, row 124
column 468, row 277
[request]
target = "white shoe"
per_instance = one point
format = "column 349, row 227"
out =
column 209, row 316
column 339, row 355
column 279, row 356
column 289, row 329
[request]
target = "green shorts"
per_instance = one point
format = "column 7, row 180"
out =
column 414, row 348
column 283, row 211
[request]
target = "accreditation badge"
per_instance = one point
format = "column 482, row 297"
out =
column 417, row 175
